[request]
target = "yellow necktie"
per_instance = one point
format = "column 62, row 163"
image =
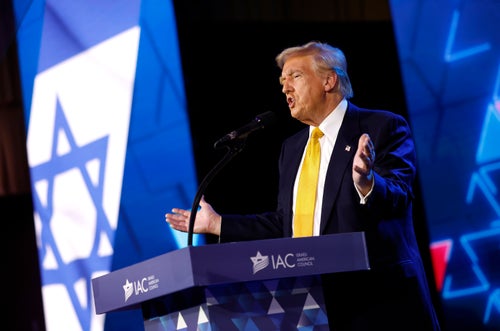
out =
column 306, row 192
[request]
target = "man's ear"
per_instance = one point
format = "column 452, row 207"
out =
column 330, row 81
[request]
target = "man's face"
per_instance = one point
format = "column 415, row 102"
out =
column 303, row 87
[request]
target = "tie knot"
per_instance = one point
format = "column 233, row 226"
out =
column 317, row 133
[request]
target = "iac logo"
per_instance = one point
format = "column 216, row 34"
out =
column 140, row 286
column 261, row 262
column 128, row 288
column 137, row 287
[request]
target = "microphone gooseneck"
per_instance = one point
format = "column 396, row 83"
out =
column 234, row 141
column 260, row 121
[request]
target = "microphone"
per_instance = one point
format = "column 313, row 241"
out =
column 259, row 122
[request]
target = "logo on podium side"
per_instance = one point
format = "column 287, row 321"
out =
column 128, row 288
column 140, row 286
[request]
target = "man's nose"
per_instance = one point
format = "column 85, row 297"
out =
column 286, row 87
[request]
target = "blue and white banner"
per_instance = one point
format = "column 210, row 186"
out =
column 108, row 143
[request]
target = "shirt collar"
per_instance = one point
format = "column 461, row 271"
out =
column 331, row 124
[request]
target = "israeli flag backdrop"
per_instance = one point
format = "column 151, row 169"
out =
column 108, row 143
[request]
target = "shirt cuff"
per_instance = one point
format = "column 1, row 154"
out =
column 363, row 199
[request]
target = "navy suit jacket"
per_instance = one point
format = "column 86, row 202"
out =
column 386, row 218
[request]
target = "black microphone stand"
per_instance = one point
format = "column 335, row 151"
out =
column 233, row 149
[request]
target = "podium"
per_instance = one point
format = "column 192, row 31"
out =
column 271, row 284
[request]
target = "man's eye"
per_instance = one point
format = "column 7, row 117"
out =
column 296, row 76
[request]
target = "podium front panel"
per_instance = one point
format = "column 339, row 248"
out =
column 279, row 258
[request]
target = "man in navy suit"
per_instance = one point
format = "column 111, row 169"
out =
column 367, row 171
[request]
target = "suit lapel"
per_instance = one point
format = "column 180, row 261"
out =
column 340, row 164
column 290, row 165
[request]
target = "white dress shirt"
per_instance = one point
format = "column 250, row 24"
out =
column 330, row 128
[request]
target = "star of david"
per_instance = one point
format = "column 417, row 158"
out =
column 68, row 274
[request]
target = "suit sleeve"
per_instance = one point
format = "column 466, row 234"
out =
column 394, row 168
